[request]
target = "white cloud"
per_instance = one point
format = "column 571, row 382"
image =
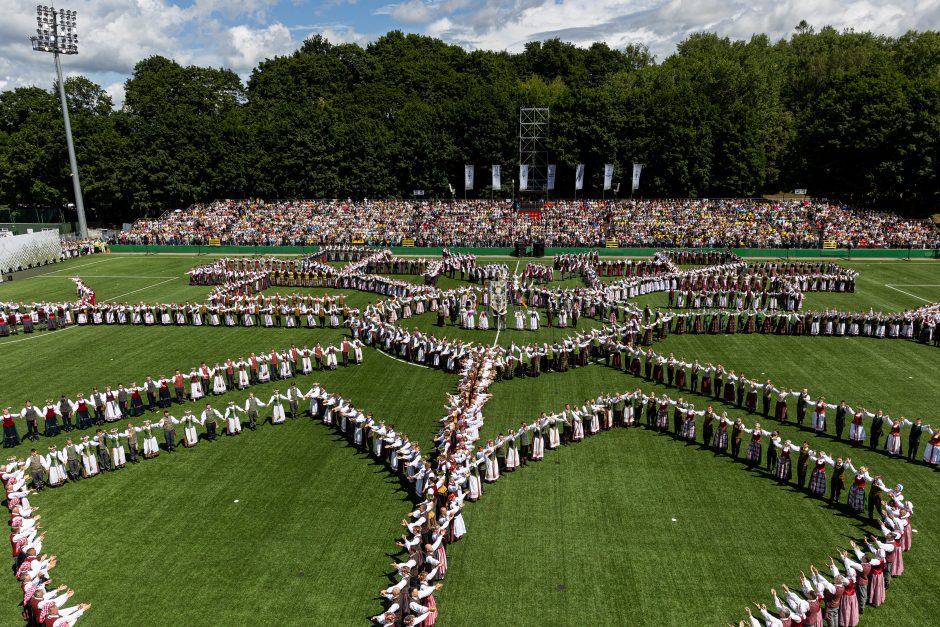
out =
column 339, row 34
column 661, row 24
column 247, row 46
column 413, row 11
column 116, row 91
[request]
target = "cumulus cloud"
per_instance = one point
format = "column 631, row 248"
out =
column 661, row 24
column 115, row 34
column 246, row 46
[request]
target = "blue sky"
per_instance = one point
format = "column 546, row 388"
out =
column 115, row 34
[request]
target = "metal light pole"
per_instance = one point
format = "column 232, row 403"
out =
column 56, row 33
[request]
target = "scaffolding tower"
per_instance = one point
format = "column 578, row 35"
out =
column 533, row 148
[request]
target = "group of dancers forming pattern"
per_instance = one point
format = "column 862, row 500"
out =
column 458, row 469
column 43, row 603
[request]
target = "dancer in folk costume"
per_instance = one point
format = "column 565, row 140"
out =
column 116, row 447
column 754, row 447
column 876, row 581
column 784, row 470
column 932, row 450
column 151, row 446
column 218, row 380
column 857, row 492
column 538, row 440
column 209, row 420
column 276, row 402
column 233, row 425
column 857, row 428
column 720, row 441
column 817, row 481
column 893, row 443
column 533, row 320
column 168, row 423
column 819, row 416
column 89, row 458
column 252, row 404
column 190, row 435
column 54, row 466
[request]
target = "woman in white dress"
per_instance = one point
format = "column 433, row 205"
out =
column 512, row 452
column 190, row 436
column 538, row 442
column 151, row 448
column 233, row 425
column 243, row 380
column 492, row 465
column 53, row 464
column 276, row 402
column 218, row 380
column 112, row 410
column 195, row 385
column 89, row 459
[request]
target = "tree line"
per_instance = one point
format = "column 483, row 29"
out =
column 846, row 115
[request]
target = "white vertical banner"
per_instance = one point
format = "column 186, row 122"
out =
column 468, row 177
column 523, row 176
column 579, row 177
column 608, row 175
column 497, row 177
column 637, row 168
column 550, row 183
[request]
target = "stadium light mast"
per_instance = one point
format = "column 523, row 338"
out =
column 56, row 33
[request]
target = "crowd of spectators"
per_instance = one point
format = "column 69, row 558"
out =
column 498, row 223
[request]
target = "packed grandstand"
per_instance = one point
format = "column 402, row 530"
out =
column 486, row 223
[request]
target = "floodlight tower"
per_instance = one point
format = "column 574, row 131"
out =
column 56, row 33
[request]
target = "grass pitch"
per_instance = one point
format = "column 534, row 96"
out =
column 584, row 537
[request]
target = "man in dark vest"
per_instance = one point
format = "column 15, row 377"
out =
column 251, row 410
column 524, row 444
column 837, row 484
column 65, row 410
column 841, row 411
column 31, row 414
column 801, row 402
column 104, row 458
column 36, row 472
column 876, row 424
column 73, row 464
column 913, row 439
column 150, row 387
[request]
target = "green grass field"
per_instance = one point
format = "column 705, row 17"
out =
column 584, row 537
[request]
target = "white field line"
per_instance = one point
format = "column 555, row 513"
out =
column 84, row 265
column 908, row 293
column 402, row 360
column 496, row 339
column 114, row 298
column 38, row 335
column 103, row 276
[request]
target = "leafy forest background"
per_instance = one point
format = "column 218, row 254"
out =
column 854, row 116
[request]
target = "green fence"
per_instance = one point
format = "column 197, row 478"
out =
column 794, row 253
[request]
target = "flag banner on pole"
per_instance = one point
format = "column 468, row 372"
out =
column 468, row 177
column 550, row 183
column 608, row 175
column 579, row 177
column 523, row 177
column 637, row 168
column 497, row 177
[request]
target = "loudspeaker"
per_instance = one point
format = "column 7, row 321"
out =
column 538, row 249
column 520, row 249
